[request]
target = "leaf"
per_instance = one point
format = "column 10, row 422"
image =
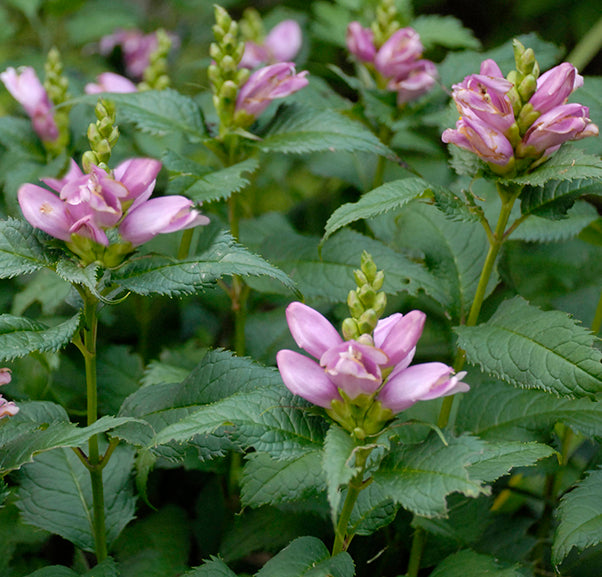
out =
column 444, row 31
column 419, row 477
column 54, row 571
column 579, row 517
column 389, row 196
column 45, row 288
column 470, row 564
column 553, row 199
column 107, row 568
column 22, row 249
column 498, row 411
column 299, row 130
column 158, row 112
column 20, row 336
column 531, row 348
column 373, row 510
column 307, row 557
column 266, row 481
column 55, row 494
column 17, row 134
column 568, row 164
column 169, row 276
column 203, row 185
column 213, row 568
column 74, row 273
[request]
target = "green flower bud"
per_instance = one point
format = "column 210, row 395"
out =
column 350, row 329
column 380, row 303
column 366, row 295
column 360, row 278
column 355, row 306
column 379, row 280
column 527, row 87
column 367, row 322
column 527, row 116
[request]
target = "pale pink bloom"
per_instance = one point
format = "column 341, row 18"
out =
column 555, row 86
column 26, row 88
column 360, row 42
column 136, row 48
column 282, row 44
column 396, row 56
column 267, row 84
column 110, row 82
column 420, row 78
column 7, row 408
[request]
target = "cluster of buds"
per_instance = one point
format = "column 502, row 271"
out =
column 281, row 44
column 7, row 408
column 393, row 55
column 516, row 123
column 363, row 381
column 56, row 85
column 102, row 136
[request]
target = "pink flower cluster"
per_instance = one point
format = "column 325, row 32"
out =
column 281, row 45
column 110, row 82
column 26, row 88
column 357, row 367
column 7, row 408
column 136, row 48
column 399, row 60
column 89, row 204
column 488, row 125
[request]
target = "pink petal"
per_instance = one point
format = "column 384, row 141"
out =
column 45, row 210
column 311, row 330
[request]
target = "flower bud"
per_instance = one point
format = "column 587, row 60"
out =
column 527, row 87
column 350, row 329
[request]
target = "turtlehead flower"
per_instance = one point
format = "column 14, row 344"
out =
column 282, row 44
column 267, row 84
column 555, row 86
column 26, row 88
column 110, row 82
column 7, row 408
column 398, row 53
column 357, row 369
column 360, row 42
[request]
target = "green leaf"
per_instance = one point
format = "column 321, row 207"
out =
column 45, row 288
column 299, row 130
column 20, row 336
column 213, row 568
column 470, row 564
column 307, row 557
column 404, row 475
column 445, row 31
column 169, row 276
column 55, row 494
column 498, row 411
column 530, row 348
column 580, row 517
column 204, row 185
column 373, row 510
column 17, row 134
column 158, row 112
column 107, row 568
column 22, row 248
column 266, row 481
column 54, row 571
column 389, row 196
column 568, row 164
column 74, row 273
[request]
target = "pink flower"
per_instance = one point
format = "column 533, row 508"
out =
column 356, row 367
column 26, row 88
column 136, row 48
column 267, row 84
column 420, row 78
column 396, row 56
column 555, row 86
column 7, row 408
column 282, row 44
column 110, row 82
column 360, row 42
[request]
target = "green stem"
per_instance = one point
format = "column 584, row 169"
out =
column 418, row 543
column 94, row 459
column 184, row 249
column 597, row 322
column 587, row 47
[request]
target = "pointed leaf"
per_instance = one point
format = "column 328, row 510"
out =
column 580, row 517
column 373, row 510
column 20, row 336
column 530, row 348
column 213, row 568
column 444, row 31
column 470, row 564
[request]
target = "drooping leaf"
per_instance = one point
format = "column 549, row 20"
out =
column 55, row 494
column 580, row 517
column 404, row 475
column 169, row 276
column 530, row 348
column 470, row 564
column 20, row 336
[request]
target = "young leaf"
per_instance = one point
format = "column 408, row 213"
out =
column 299, row 130
column 20, row 336
column 580, row 517
column 169, row 276
column 22, row 248
column 404, row 475
column 530, row 348
column 307, row 556
column 213, row 568
column 55, row 494
column 470, row 564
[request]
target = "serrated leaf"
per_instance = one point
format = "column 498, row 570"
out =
column 307, row 557
column 444, row 31
column 20, row 336
column 54, row 571
column 553, row 199
column 389, row 196
column 203, row 185
column 530, row 348
column 22, row 249
column 45, row 288
column 580, row 517
column 158, row 112
column 169, row 276
column 73, row 273
column 404, row 475
column 55, row 494
column 373, row 510
column 266, row 481
column 498, row 411
column 498, row 458
column 569, row 163
column 470, row 564
column 299, row 130
column 213, row 568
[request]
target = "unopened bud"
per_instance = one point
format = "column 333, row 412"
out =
column 527, row 116
column 367, row 322
column 360, row 278
column 368, row 266
column 379, row 280
column 355, row 306
column 215, row 52
column 367, row 295
column 527, row 87
column 350, row 329
column 526, row 61
column 380, row 303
